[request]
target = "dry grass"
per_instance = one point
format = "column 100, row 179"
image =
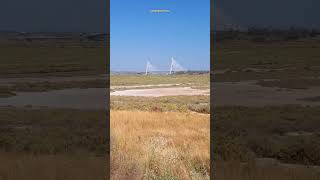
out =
column 51, row 167
column 159, row 145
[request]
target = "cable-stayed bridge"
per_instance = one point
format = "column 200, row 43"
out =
column 174, row 67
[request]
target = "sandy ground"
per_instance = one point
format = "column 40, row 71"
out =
column 158, row 92
column 247, row 93
column 145, row 86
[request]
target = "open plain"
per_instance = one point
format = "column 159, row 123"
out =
column 160, row 132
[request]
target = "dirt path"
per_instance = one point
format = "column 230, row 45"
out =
column 158, row 92
column 145, row 86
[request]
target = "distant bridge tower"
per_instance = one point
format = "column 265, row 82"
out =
column 171, row 66
column 175, row 66
column 147, row 67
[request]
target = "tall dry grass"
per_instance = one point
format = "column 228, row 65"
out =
column 51, row 167
column 159, row 145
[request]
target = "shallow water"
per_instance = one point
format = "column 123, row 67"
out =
column 92, row 98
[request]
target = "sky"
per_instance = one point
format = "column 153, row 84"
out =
column 136, row 34
column 54, row 15
column 263, row 13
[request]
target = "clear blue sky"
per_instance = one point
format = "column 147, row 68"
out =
column 137, row 34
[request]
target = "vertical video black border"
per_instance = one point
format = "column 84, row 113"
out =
column 108, row 49
column 212, row 48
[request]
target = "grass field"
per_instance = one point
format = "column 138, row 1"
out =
column 160, row 137
column 157, row 145
column 183, row 79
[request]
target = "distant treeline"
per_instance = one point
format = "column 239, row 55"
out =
column 45, row 36
column 257, row 34
column 192, row 72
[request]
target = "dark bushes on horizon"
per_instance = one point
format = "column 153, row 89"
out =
column 265, row 34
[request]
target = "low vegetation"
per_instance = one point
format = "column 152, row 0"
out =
column 129, row 80
column 198, row 104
